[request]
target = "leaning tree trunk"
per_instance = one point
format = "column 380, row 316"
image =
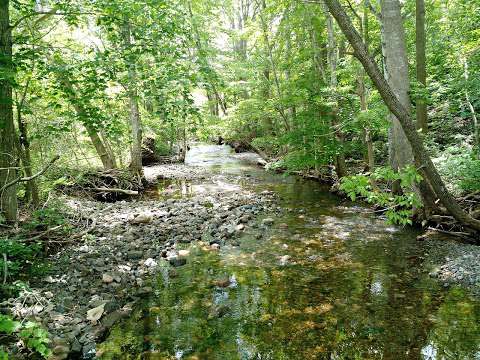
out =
column 8, row 162
column 420, row 43
column 135, row 121
column 427, row 168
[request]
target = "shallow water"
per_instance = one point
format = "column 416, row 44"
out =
column 329, row 280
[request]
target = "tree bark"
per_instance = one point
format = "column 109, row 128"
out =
column 420, row 43
column 397, row 77
column 135, row 121
column 422, row 158
column 362, row 93
column 8, row 160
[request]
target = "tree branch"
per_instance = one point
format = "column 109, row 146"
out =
column 30, row 178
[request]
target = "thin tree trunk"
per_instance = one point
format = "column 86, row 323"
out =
column 107, row 158
column 280, row 109
column 426, row 166
column 420, row 43
column 362, row 92
column 340, row 164
column 8, row 161
column 24, row 150
column 476, row 125
column 135, row 121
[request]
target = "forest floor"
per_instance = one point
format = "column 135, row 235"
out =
column 107, row 271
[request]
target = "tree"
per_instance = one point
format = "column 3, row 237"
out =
column 421, row 63
column 426, row 166
column 8, row 160
column 131, row 85
column 340, row 165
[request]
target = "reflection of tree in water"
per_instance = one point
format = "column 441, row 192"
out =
column 456, row 329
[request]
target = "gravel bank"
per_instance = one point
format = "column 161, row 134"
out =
column 457, row 263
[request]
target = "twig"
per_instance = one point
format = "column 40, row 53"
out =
column 122, row 191
column 463, row 235
column 30, row 178
column 48, row 231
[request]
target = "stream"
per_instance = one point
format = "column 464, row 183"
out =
column 329, row 279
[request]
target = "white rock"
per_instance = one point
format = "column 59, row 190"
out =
column 184, row 253
column 268, row 221
column 240, row 227
column 284, row 259
column 142, row 219
column 150, row 263
column 96, row 313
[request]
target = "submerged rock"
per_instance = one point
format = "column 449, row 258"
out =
column 177, row 261
column 268, row 221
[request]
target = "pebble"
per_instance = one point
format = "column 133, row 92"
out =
column 107, row 279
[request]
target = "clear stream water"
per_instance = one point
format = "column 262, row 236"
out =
column 338, row 283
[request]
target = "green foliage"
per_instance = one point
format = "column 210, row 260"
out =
column 32, row 335
column 23, row 258
column 399, row 209
column 35, row 338
column 460, row 168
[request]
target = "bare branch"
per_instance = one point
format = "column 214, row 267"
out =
column 30, row 178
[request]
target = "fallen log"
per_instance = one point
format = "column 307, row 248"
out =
column 113, row 190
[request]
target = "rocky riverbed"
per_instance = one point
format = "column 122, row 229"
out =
column 95, row 282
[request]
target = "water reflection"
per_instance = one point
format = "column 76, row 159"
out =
column 334, row 283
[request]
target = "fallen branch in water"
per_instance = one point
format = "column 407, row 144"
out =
column 30, row 178
column 113, row 190
column 463, row 235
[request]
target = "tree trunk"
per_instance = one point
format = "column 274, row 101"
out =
column 398, row 79
column 340, row 164
column 135, row 121
column 476, row 125
column 24, row 150
column 421, row 106
column 397, row 76
column 362, row 93
column 8, row 161
column 280, row 108
column 107, row 158
column 422, row 158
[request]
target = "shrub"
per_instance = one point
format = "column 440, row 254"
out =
column 31, row 334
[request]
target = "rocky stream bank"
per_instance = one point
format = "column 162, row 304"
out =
column 96, row 282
